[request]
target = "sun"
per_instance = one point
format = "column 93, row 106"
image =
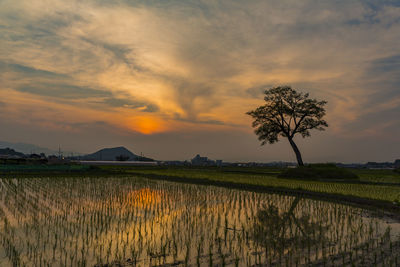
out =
column 147, row 125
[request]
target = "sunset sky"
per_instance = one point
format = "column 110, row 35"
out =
column 174, row 78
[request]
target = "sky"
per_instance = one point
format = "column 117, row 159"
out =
column 172, row 79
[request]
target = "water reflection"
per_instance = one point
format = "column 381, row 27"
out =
column 282, row 233
column 278, row 229
column 292, row 238
column 128, row 221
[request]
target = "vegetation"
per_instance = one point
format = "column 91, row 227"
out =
column 285, row 114
column 319, row 171
column 139, row 222
column 378, row 176
column 376, row 185
column 42, row 168
column 267, row 180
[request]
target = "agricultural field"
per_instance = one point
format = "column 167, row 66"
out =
column 379, row 185
column 133, row 221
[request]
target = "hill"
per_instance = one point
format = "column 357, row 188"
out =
column 115, row 153
column 30, row 148
column 10, row 152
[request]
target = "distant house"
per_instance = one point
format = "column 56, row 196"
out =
column 397, row 163
column 379, row 165
column 52, row 159
column 202, row 161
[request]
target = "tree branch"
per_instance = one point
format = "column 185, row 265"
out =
column 298, row 124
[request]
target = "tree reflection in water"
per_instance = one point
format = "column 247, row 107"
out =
column 282, row 233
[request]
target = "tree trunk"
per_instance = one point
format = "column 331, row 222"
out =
column 297, row 152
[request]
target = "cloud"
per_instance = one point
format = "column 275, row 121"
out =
column 379, row 116
column 127, row 103
column 202, row 62
column 63, row 91
column 382, row 78
column 200, row 120
column 29, row 71
column 387, row 66
column 258, row 91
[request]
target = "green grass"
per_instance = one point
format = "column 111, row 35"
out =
column 319, row 171
column 369, row 191
column 381, row 176
column 388, row 190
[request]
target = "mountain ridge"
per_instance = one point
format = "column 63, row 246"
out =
column 114, row 153
column 109, row 153
column 11, row 152
column 31, row 148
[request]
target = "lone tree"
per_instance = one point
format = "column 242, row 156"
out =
column 285, row 114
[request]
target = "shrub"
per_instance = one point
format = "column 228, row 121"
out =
column 318, row 171
column 94, row 167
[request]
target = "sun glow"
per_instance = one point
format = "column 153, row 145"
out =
column 147, row 125
column 145, row 197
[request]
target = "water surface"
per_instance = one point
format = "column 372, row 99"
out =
column 135, row 221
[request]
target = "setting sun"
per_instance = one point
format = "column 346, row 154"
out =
column 147, row 125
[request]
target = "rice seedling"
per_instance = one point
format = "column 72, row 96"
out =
column 140, row 222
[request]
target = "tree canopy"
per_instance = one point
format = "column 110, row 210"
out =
column 285, row 114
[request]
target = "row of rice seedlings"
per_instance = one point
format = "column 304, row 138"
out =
column 87, row 221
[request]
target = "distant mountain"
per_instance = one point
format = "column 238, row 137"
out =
column 115, row 153
column 10, row 152
column 30, row 148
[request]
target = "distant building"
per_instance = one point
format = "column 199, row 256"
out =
column 52, row 159
column 397, row 163
column 202, row 161
column 379, row 165
column 35, row 156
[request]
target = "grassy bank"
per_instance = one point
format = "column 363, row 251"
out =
column 388, row 188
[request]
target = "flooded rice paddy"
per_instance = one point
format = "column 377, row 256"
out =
column 139, row 222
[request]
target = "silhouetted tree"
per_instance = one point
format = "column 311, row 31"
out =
column 285, row 114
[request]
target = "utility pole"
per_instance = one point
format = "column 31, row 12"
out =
column 59, row 152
